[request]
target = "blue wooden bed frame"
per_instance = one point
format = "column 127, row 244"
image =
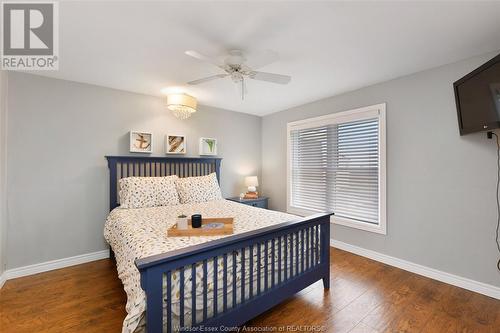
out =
column 309, row 235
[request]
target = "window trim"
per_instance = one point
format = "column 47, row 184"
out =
column 334, row 118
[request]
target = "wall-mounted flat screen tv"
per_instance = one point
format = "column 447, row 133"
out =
column 478, row 98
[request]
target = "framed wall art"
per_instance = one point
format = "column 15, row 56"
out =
column 141, row 142
column 175, row 144
column 208, row 146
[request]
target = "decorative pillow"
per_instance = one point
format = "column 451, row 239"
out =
column 142, row 192
column 198, row 189
column 137, row 192
column 166, row 192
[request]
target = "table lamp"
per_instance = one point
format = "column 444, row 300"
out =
column 252, row 182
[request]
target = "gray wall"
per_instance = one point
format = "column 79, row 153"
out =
column 3, row 143
column 440, row 186
column 57, row 178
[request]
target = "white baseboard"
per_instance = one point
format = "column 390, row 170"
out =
column 2, row 280
column 54, row 264
column 478, row 287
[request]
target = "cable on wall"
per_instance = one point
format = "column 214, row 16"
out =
column 490, row 134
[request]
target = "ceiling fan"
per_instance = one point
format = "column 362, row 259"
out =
column 234, row 67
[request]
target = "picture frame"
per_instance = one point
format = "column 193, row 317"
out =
column 175, row 144
column 208, row 146
column 140, row 142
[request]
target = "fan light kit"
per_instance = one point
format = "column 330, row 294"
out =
column 182, row 105
column 234, row 67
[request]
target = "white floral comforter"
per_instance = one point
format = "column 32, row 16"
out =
column 139, row 233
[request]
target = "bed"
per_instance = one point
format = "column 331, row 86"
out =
column 207, row 282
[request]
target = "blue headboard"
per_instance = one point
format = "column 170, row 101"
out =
column 147, row 166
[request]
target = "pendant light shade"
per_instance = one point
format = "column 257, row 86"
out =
column 181, row 105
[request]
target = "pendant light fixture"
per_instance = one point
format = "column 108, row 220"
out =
column 181, row 105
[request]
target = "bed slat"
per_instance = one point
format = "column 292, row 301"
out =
column 216, row 278
column 273, row 253
column 302, row 250
column 169, row 301
column 181, row 296
column 224, row 296
column 258, row 269
column 234, row 279
column 193, row 294
column 316, row 244
column 285, row 255
column 250, row 291
column 266, row 268
column 242, row 275
column 296, row 258
column 279, row 260
column 205, row 290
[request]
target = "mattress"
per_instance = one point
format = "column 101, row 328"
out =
column 139, row 233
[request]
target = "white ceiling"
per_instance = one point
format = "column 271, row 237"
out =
column 327, row 47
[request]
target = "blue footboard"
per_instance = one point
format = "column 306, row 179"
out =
column 273, row 263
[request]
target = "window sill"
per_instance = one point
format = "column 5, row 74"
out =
column 379, row 228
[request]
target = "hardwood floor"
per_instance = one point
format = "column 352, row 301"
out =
column 365, row 296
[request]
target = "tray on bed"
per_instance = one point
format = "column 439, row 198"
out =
column 208, row 228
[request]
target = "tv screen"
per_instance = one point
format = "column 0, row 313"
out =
column 478, row 98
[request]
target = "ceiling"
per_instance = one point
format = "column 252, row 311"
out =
column 327, row 47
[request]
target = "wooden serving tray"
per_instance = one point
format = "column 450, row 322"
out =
column 190, row 231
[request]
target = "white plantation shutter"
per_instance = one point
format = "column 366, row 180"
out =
column 354, row 172
column 334, row 165
column 309, row 149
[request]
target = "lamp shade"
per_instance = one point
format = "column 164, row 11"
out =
column 181, row 105
column 251, row 181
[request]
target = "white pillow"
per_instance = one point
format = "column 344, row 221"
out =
column 166, row 192
column 198, row 189
column 142, row 192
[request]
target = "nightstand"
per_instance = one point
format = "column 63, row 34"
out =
column 260, row 202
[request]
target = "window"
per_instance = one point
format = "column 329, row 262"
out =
column 337, row 163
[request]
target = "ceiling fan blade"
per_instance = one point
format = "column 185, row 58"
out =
column 205, row 58
column 209, row 78
column 243, row 89
column 270, row 77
